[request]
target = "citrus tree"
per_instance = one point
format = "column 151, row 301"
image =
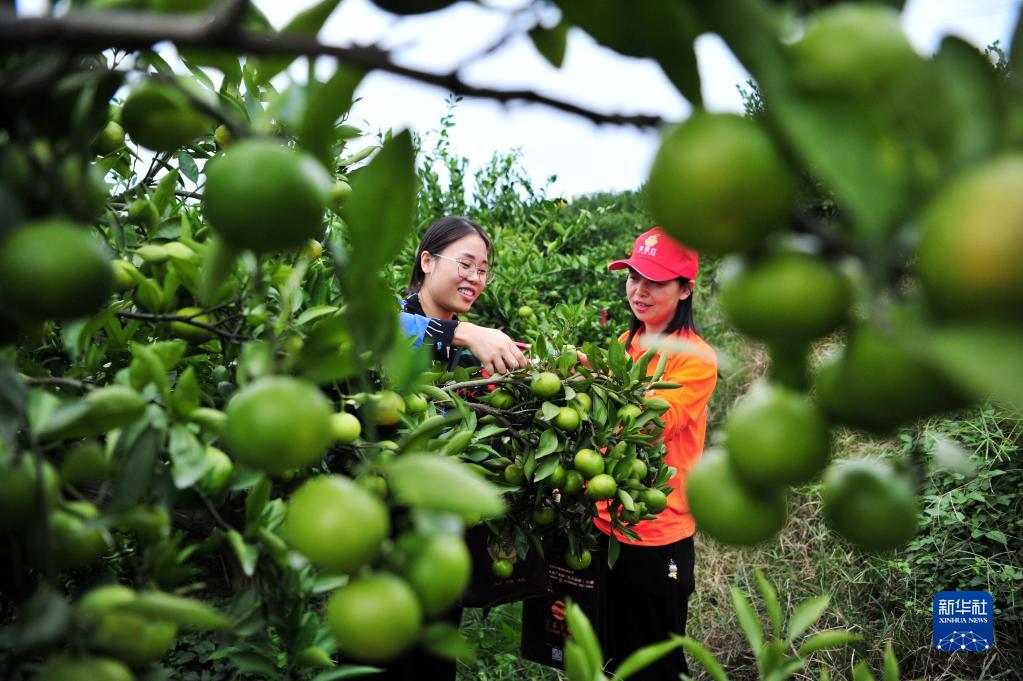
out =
column 211, row 421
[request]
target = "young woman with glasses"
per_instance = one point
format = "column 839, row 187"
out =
column 451, row 269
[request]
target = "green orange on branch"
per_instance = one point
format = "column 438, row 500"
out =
column 374, row 618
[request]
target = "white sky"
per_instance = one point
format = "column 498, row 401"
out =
column 585, row 157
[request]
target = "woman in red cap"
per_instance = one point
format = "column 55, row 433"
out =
column 649, row 587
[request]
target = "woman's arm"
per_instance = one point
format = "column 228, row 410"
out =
column 493, row 347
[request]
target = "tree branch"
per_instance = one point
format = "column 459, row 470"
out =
column 59, row 382
column 136, row 31
column 145, row 316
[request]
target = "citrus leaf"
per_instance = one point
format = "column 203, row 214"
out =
column 704, row 657
column 548, row 444
column 444, row 640
column 247, row 554
column 644, row 657
column 748, row 621
column 546, row 468
column 834, row 638
column 551, row 42
column 577, row 666
column 984, row 360
column 308, row 22
column 770, row 597
column 627, row 503
column 135, row 455
column 188, row 457
column 581, row 631
column 185, row 398
column 113, row 406
column 431, row 482
column 806, row 615
column 325, row 105
column 164, row 192
column 185, row 612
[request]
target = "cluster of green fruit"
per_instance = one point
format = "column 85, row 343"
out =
column 724, row 185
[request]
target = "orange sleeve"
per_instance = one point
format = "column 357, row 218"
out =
column 697, row 371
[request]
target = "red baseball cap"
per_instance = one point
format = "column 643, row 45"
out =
column 658, row 257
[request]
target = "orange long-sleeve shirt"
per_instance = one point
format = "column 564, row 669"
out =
column 685, row 426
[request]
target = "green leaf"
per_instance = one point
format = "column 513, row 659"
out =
column 614, row 549
column 308, row 22
column 135, row 455
column 581, row 631
column 185, row 612
column 431, row 482
column 187, row 455
column 444, row 640
column 258, row 498
column 627, row 503
column 104, row 409
column 164, row 192
column 891, row 665
column 316, row 313
column 770, row 597
column 381, row 211
column 704, row 657
column 546, row 468
column 325, row 105
column 247, row 554
column 185, row 398
column 548, row 443
column 577, row 665
column 551, row 42
column 984, row 360
column 549, row 410
column 42, row 621
column 644, row 657
column 748, row 621
column 824, row 640
column 13, row 401
column 806, row 615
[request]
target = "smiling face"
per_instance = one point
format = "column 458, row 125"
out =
column 654, row 302
column 445, row 292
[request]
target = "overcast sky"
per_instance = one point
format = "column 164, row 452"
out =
column 585, row 157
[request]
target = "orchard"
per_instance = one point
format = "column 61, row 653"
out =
column 221, row 457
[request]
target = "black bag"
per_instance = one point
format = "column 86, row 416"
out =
column 528, row 579
column 544, row 628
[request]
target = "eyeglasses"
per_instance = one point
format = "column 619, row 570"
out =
column 465, row 267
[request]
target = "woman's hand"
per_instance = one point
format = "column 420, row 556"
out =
column 493, row 347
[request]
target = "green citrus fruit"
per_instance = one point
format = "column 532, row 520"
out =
column 109, row 139
column 84, row 669
column 278, row 423
column 777, row 437
column 601, row 487
column 336, row 524
column 567, row 419
column 103, row 599
column 438, row 570
column 222, row 136
column 74, row 541
column 374, row 618
column 502, row 568
column 629, row 412
column 854, row 49
column 133, row 638
column 219, row 469
column 84, row 463
column 719, row 185
column 19, row 501
column 41, row 281
column 654, row 499
column 340, row 192
column 345, row 427
column 547, row 384
column 123, row 275
column 870, row 504
column 159, row 116
column 513, row 474
column 501, row 399
column 557, row 477
column 588, row 462
column 578, row 561
column 726, row 509
column 525, row 312
column 584, row 402
column 375, row 484
column 639, row 469
column 573, row 482
column 880, row 383
column 788, row 299
column 415, row 403
column 143, row 213
column 313, row 249
column 971, row 243
column 190, row 332
column 385, row 408
column 265, row 197
column 544, row 516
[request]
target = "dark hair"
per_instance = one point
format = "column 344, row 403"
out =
column 438, row 236
column 683, row 319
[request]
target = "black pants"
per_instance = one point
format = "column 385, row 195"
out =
column 645, row 603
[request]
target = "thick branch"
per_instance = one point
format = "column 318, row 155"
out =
column 99, row 31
